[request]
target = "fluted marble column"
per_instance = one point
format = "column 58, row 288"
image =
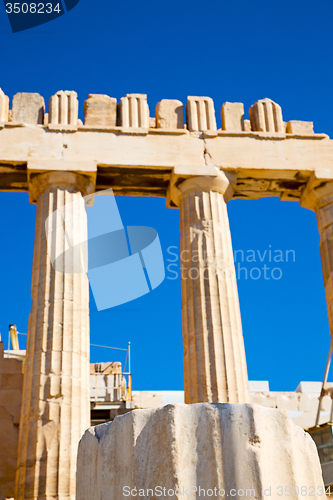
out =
column 214, row 355
column 55, row 405
column 318, row 196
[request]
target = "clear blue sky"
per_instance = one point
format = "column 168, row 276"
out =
column 231, row 51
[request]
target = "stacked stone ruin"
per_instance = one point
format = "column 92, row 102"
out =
column 132, row 112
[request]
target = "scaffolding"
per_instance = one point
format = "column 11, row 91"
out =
column 110, row 385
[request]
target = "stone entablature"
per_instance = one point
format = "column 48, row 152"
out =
column 269, row 156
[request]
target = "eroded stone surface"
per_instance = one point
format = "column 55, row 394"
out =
column 241, row 447
column 152, row 122
column 170, row 114
column 232, row 115
column 28, row 108
column 100, row 111
column 297, row 127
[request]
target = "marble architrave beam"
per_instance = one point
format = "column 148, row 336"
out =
column 140, row 162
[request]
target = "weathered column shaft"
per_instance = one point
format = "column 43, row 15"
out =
column 214, row 355
column 318, row 196
column 55, row 406
column 325, row 226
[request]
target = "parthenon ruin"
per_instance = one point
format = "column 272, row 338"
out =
column 198, row 168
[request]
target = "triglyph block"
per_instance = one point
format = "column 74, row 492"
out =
column 100, row 111
column 134, row 111
column 266, row 116
column 200, row 114
column 226, row 450
column 297, row 127
column 63, row 110
column 169, row 114
column 4, row 107
column 232, row 115
column 28, row 108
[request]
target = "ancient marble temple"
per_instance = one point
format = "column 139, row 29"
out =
column 198, row 168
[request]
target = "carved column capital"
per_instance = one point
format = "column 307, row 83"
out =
column 190, row 179
column 319, row 191
column 72, row 181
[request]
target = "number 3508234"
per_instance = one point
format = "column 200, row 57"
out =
column 32, row 8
